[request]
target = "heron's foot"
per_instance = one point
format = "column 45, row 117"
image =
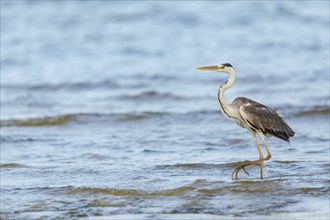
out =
column 237, row 169
column 242, row 167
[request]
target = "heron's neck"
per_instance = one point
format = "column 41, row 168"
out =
column 225, row 108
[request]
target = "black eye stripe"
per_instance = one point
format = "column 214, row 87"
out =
column 227, row 65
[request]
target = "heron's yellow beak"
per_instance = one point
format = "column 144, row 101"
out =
column 212, row 68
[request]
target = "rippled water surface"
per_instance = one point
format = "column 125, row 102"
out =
column 103, row 115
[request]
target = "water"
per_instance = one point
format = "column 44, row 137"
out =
column 103, row 115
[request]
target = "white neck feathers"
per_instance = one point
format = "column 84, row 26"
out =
column 224, row 107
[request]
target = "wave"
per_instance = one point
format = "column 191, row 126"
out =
column 151, row 95
column 198, row 186
column 127, row 192
column 314, row 111
column 136, row 81
column 64, row 86
column 197, row 166
column 45, row 121
column 83, row 118
column 79, row 118
column 12, row 165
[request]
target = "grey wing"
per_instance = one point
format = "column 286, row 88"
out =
column 266, row 120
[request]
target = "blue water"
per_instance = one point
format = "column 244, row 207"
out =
column 104, row 116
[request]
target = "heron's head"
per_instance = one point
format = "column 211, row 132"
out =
column 226, row 67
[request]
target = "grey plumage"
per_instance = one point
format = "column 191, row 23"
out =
column 262, row 118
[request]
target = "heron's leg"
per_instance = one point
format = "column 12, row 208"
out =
column 248, row 163
column 269, row 155
column 261, row 157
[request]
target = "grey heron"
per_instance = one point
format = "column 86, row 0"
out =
column 251, row 115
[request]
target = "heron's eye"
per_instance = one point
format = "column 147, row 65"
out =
column 222, row 67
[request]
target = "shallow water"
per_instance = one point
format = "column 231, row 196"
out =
column 103, row 115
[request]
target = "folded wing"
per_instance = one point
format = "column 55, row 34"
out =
column 266, row 120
